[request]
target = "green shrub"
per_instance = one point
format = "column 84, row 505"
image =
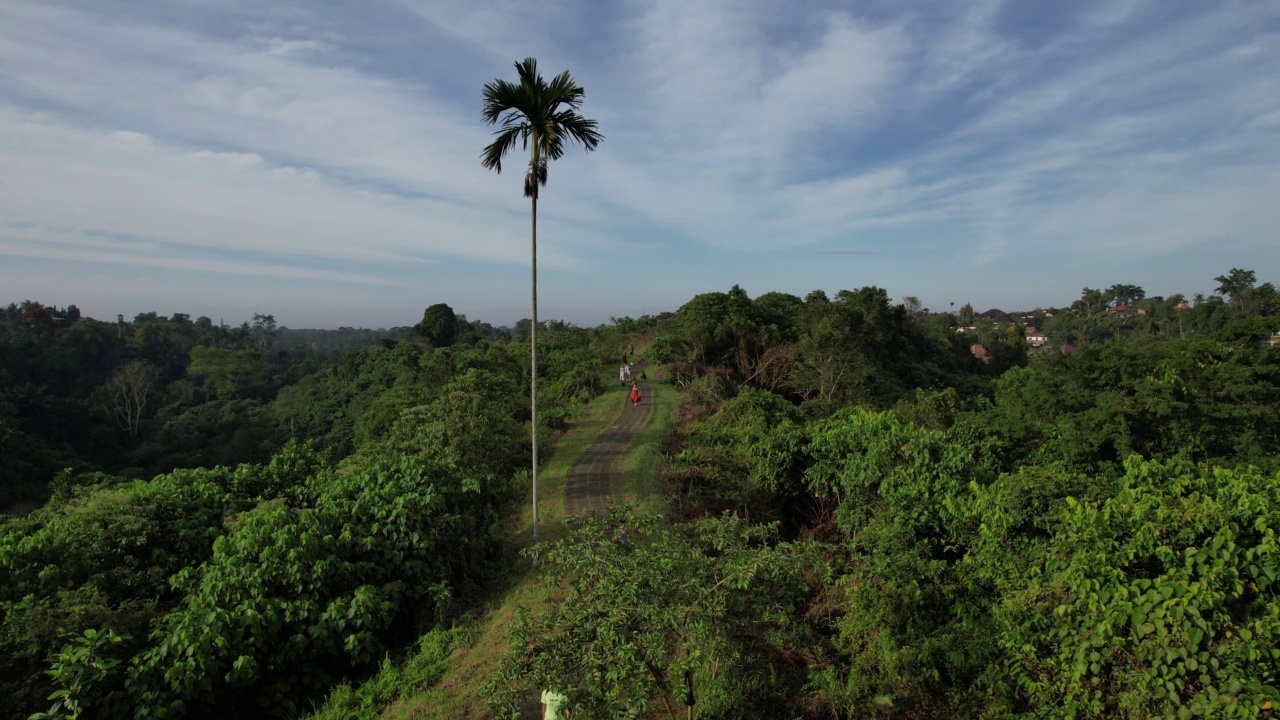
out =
column 1160, row 601
column 394, row 680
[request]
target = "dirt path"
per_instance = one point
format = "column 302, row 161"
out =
column 596, row 478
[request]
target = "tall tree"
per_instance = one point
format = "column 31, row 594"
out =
column 541, row 116
column 126, row 395
column 1125, row 295
column 1237, row 284
column 264, row 330
column 439, row 325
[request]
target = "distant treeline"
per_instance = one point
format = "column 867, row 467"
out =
column 148, row 395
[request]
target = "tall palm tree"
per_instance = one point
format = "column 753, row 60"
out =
column 541, row 116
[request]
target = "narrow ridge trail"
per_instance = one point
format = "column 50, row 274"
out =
column 592, row 482
column 595, row 479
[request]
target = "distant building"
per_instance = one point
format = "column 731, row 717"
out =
column 1036, row 338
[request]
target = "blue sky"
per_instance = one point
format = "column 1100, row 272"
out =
column 319, row 159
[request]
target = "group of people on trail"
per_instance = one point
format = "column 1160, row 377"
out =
column 624, row 375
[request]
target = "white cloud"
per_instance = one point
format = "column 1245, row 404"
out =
column 232, row 201
column 966, row 46
column 45, row 245
column 1104, row 13
column 734, row 126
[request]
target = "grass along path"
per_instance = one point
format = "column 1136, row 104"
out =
column 595, row 479
column 461, row 661
column 458, row 694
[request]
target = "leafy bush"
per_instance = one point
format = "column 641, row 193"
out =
column 655, row 613
column 1040, row 593
column 394, row 680
column 1160, row 601
column 101, row 560
column 913, row 630
column 291, row 597
column 748, row 456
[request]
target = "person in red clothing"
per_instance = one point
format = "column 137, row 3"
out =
column 635, row 394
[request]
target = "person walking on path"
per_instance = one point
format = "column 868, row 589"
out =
column 635, row 394
column 623, row 375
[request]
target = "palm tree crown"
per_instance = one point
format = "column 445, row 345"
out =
column 538, row 114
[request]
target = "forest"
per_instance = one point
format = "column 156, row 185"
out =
column 867, row 510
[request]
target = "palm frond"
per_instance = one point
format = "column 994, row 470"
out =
column 579, row 129
column 491, row 156
column 563, row 90
column 527, row 69
column 501, row 97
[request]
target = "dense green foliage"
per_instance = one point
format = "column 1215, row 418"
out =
column 698, row 612
column 822, row 354
column 1070, row 532
column 294, row 595
column 148, row 396
column 134, row 398
column 101, row 557
column 1208, row 398
column 868, row 517
column 250, row 589
column 426, row 665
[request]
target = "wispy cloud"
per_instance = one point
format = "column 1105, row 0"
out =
column 50, row 244
column 338, row 143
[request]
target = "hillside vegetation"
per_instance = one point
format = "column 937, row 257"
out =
column 865, row 516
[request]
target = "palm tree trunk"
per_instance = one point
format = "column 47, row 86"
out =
column 533, row 364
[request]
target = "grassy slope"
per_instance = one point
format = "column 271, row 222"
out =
column 477, row 649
